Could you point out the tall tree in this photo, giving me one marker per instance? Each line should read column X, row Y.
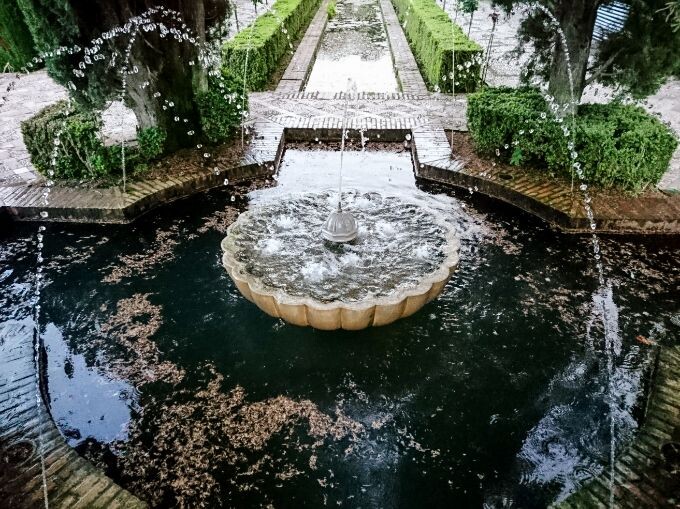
column 163, row 72
column 16, row 43
column 638, row 58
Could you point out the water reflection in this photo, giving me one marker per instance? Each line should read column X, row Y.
column 354, row 46
column 74, row 383
column 497, row 393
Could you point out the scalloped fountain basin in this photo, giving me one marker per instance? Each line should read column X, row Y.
column 402, row 259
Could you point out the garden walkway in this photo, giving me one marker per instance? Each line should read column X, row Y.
column 29, row 95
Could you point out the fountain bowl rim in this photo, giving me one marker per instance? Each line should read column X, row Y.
column 270, row 299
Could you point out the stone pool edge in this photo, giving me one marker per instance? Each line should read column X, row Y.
column 548, row 200
column 641, row 478
column 70, row 481
column 111, row 205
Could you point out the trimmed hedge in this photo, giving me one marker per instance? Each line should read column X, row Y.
column 16, row 42
column 81, row 154
column 221, row 107
column 432, row 37
column 267, row 40
column 617, row 145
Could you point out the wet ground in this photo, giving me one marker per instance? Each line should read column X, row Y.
column 501, row 392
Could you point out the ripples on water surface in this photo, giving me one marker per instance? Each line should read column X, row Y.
column 354, row 46
column 497, row 393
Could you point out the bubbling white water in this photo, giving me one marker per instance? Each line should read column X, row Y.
column 400, row 243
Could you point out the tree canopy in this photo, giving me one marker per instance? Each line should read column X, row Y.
column 637, row 59
column 153, row 55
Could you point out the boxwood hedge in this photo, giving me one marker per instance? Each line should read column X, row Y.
column 433, row 37
column 80, row 153
column 267, row 40
column 16, row 42
column 618, row 145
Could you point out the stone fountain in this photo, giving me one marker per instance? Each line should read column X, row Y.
column 401, row 259
column 351, row 270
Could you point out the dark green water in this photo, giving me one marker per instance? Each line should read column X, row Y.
column 495, row 395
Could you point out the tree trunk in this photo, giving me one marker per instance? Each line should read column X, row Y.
column 163, row 62
column 577, row 19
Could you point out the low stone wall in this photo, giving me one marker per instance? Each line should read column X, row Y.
column 551, row 200
column 643, row 474
column 113, row 206
column 38, row 468
column 548, row 199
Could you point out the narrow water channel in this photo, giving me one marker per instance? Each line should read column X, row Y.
column 354, row 46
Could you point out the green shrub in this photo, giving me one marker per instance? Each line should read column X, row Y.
column 80, row 152
column 221, row 107
column 16, row 42
column 267, row 40
column 330, row 9
column 618, row 145
column 433, row 37
column 151, row 143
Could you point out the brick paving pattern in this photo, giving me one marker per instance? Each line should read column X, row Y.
column 70, row 481
column 641, row 476
column 30, row 94
column 405, row 64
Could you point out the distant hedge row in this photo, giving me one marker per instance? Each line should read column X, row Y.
column 267, row 40
column 618, row 145
column 16, row 42
column 433, row 37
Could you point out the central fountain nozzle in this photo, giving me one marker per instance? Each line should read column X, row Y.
column 340, row 227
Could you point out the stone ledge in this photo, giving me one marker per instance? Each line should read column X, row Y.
column 641, row 476
column 295, row 75
column 654, row 213
column 112, row 206
column 27, row 428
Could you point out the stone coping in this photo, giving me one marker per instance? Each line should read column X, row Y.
column 550, row 200
column 654, row 212
column 29, row 435
column 642, row 478
column 111, row 205
column 353, row 315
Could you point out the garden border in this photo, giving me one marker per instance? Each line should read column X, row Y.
column 547, row 199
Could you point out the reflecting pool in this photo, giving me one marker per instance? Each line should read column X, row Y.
column 354, row 46
column 496, row 393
